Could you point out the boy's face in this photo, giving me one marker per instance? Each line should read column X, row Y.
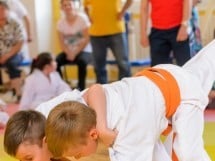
column 32, row 152
column 84, row 150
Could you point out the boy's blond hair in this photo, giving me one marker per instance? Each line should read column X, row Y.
column 68, row 125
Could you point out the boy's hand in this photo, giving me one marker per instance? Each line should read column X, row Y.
column 108, row 137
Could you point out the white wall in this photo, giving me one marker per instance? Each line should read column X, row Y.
column 44, row 25
column 40, row 12
column 33, row 46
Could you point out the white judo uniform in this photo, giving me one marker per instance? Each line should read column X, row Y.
column 136, row 108
column 38, row 88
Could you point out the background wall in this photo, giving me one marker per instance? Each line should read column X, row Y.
column 40, row 12
column 30, row 6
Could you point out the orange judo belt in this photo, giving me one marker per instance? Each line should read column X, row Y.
column 170, row 90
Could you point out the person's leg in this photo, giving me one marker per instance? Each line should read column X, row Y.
column 188, row 124
column 118, row 44
column 181, row 50
column 99, row 45
column 12, row 66
column 61, row 60
column 160, row 48
column 202, row 65
column 160, row 152
column 82, row 60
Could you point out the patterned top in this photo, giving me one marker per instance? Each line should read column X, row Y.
column 72, row 33
column 195, row 35
column 10, row 34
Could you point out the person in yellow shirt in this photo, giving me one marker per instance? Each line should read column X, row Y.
column 107, row 30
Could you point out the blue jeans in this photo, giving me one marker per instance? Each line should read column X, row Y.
column 12, row 66
column 119, row 47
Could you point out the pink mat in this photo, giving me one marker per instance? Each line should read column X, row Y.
column 10, row 109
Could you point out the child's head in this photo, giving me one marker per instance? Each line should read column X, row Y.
column 70, row 130
column 24, row 136
column 43, row 61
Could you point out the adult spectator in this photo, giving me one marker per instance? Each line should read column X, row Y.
column 20, row 13
column 12, row 38
column 74, row 40
column 107, row 30
column 169, row 31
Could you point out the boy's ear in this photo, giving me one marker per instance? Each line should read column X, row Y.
column 44, row 140
column 94, row 134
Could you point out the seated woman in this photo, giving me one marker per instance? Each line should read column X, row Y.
column 43, row 83
column 11, row 41
column 74, row 41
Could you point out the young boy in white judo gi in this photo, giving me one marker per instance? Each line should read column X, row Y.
column 139, row 108
column 24, row 136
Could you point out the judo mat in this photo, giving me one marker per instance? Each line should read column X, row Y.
column 102, row 154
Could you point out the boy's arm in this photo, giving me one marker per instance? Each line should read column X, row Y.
column 96, row 99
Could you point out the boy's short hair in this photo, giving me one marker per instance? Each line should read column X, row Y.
column 24, row 126
column 67, row 125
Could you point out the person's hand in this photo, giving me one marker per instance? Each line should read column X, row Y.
column 182, row 33
column 108, row 136
column 144, row 40
column 120, row 16
column 3, row 58
column 70, row 56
